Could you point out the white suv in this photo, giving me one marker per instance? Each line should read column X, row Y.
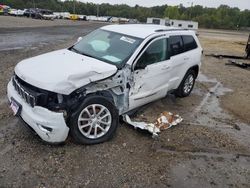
column 111, row 71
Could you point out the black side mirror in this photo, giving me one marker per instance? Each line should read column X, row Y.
column 140, row 66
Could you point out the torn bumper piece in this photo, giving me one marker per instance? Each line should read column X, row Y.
column 142, row 125
column 165, row 121
column 50, row 126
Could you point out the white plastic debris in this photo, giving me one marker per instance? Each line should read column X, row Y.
column 165, row 121
column 142, row 125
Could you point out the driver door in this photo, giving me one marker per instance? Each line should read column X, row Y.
column 151, row 74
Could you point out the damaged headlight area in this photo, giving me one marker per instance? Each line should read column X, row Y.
column 65, row 103
column 52, row 101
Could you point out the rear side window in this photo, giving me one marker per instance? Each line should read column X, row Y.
column 176, row 45
column 189, row 42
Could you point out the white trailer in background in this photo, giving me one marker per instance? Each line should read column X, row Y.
column 157, row 21
column 184, row 24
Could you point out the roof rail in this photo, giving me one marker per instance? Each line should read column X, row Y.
column 162, row 30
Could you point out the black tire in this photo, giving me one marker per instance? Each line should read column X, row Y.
column 182, row 91
column 75, row 131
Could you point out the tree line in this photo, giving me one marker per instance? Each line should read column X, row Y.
column 223, row 17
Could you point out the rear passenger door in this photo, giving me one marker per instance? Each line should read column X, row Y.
column 191, row 51
column 178, row 60
column 183, row 50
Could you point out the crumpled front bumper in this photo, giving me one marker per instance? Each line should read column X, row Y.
column 50, row 126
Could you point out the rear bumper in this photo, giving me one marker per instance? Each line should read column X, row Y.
column 50, row 126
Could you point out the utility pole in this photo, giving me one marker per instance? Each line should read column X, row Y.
column 74, row 6
column 190, row 12
column 97, row 11
column 34, row 5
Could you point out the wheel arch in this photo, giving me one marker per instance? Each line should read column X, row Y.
column 105, row 93
column 195, row 68
column 94, row 98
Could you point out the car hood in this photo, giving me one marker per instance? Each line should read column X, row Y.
column 62, row 71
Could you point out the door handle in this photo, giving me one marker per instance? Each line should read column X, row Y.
column 186, row 58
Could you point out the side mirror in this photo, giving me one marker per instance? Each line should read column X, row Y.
column 79, row 39
column 140, row 66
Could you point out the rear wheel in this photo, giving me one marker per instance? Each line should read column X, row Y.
column 187, row 84
column 95, row 121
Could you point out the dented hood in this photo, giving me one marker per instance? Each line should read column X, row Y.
column 62, row 71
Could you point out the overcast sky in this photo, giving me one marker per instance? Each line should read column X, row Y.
column 242, row 4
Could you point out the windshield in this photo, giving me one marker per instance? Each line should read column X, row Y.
column 110, row 47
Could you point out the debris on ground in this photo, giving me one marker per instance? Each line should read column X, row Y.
column 165, row 121
column 247, row 50
column 142, row 125
column 238, row 64
column 237, row 127
column 220, row 56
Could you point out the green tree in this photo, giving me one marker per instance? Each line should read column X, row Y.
column 172, row 12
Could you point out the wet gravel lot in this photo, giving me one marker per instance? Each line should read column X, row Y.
column 210, row 148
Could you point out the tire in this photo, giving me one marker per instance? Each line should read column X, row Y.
column 95, row 121
column 187, row 84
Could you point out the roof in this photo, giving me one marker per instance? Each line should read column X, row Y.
column 137, row 30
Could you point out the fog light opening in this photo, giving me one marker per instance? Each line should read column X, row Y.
column 44, row 128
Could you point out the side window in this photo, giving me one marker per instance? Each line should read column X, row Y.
column 189, row 42
column 176, row 45
column 156, row 21
column 155, row 52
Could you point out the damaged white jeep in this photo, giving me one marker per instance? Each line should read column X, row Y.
column 110, row 72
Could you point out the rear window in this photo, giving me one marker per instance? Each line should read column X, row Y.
column 189, row 42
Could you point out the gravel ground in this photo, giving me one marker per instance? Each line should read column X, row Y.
column 209, row 149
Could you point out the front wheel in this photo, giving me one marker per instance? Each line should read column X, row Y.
column 95, row 121
column 186, row 85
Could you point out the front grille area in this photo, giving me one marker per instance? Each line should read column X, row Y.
column 23, row 92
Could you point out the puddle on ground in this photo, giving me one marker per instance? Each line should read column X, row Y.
column 211, row 172
column 210, row 114
column 13, row 48
column 204, row 78
column 205, row 169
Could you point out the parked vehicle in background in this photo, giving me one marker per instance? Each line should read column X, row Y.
column 4, row 10
column 1, row 9
column 118, row 20
column 40, row 14
column 29, row 12
column 66, row 15
column 91, row 18
column 62, row 15
column 58, row 15
column 74, row 17
column 47, row 14
column 109, row 72
column 82, row 17
column 16, row 12
column 133, row 21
